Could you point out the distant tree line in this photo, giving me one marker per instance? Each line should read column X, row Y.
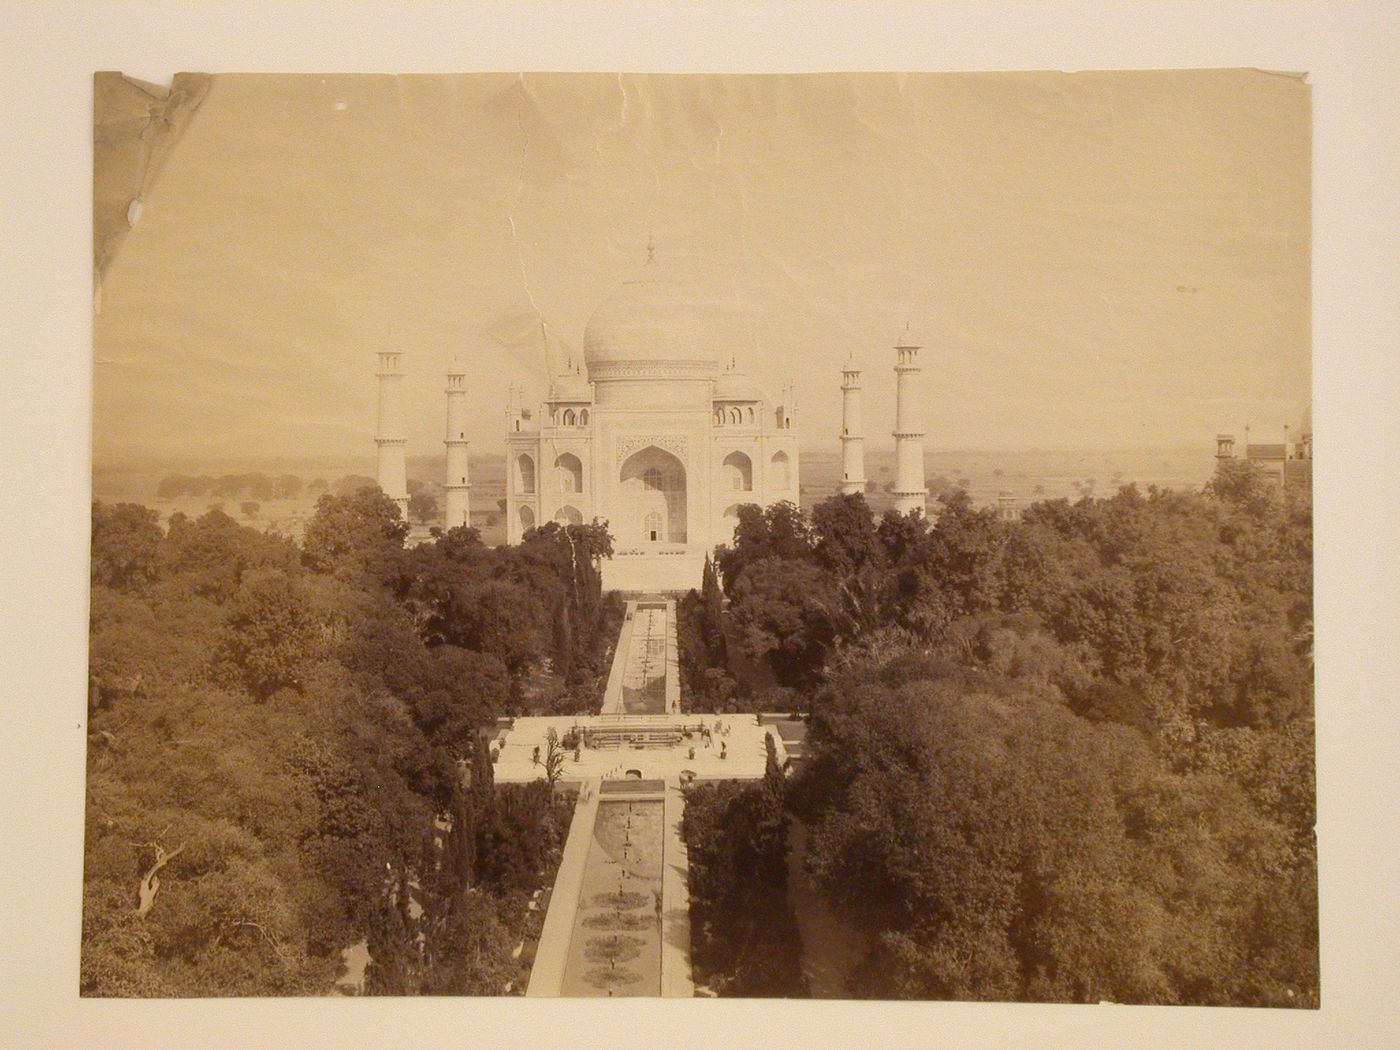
column 287, row 748
column 254, row 488
column 254, row 485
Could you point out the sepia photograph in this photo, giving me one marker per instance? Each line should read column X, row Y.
column 834, row 536
column 604, row 523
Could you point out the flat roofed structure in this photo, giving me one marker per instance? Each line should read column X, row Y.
column 658, row 747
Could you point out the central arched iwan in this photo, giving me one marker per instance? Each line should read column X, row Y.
column 653, row 483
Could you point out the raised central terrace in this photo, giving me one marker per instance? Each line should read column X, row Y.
column 656, row 747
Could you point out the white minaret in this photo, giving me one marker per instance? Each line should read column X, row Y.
column 852, row 431
column 393, row 474
column 910, row 493
column 457, row 486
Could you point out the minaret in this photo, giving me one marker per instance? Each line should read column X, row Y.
column 457, row 486
column 910, row 493
column 852, row 431
column 393, row 474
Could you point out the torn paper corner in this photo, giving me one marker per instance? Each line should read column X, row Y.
column 136, row 126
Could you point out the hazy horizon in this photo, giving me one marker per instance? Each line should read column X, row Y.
column 1093, row 261
column 367, row 454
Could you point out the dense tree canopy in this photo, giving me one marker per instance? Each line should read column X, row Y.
column 1065, row 759
column 1000, row 847
column 125, row 545
column 286, row 750
column 1068, row 758
column 744, row 939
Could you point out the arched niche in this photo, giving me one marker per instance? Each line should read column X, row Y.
column 568, row 472
column 653, row 483
column 524, row 474
column 738, row 472
column 779, row 471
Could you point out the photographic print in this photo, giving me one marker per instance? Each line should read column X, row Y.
column 764, row 536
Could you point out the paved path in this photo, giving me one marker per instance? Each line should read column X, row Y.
column 731, row 747
column 676, row 982
column 547, row 971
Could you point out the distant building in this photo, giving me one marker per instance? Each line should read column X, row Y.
column 1008, row 507
column 1284, row 464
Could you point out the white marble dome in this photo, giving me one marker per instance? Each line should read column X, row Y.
column 648, row 320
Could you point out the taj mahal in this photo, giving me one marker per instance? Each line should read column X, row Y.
column 659, row 433
column 652, row 434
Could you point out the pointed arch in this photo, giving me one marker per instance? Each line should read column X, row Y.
column 738, row 472
column 779, row 473
column 568, row 472
column 525, row 474
column 527, row 519
column 567, row 515
column 653, row 482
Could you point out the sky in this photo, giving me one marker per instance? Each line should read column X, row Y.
column 1091, row 260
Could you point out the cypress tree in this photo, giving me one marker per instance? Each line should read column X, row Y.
column 459, row 866
column 563, row 640
column 483, row 793
column 712, row 616
column 771, row 831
